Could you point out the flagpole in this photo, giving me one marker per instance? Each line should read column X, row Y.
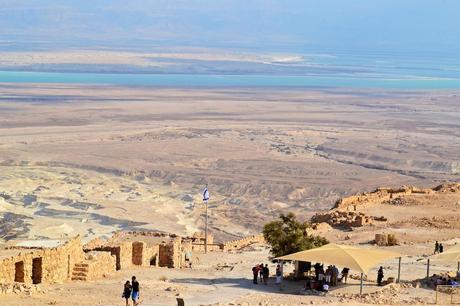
column 206, row 230
column 206, row 199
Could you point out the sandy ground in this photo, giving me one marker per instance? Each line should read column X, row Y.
column 92, row 159
column 225, row 279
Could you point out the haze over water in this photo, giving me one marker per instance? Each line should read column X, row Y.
column 409, row 44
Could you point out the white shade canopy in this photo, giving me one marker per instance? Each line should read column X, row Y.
column 359, row 259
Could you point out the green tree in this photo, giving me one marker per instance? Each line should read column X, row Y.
column 287, row 235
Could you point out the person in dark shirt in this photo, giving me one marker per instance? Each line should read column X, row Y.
column 127, row 292
column 135, row 291
column 380, row 276
column 345, row 275
column 266, row 274
column 255, row 273
column 441, row 248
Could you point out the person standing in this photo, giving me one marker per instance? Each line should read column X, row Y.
column 345, row 274
column 135, row 291
column 261, row 272
column 441, row 248
column 317, row 267
column 127, row 292
column 266, row 274
column 255, row 274
column 279, row 274
column 436, row 247
column 380, row 276
column 335, row 275
column 328, row 274
column 322, row 275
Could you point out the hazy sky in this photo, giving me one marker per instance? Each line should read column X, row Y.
column 294, row 25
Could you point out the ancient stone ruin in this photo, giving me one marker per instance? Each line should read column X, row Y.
column 345, row 219
column 345, row 213
column 386, row 194
column 55, row 261
column 385, row 239
column 45, row 261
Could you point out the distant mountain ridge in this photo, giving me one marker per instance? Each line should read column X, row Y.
column 293, row 25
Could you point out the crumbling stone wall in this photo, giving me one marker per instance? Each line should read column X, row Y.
column 51, row 265
column 385, row 239
column 99, row 265
column 199, row 238
column 241, row 243
column 151, row 255
column 145, row 254
column 170, row 254
column 138, row 252
column 385, row 194
column 346, row 219
column 126, row 254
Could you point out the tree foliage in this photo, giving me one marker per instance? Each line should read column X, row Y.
column 287, row 235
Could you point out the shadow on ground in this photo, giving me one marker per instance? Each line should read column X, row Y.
column 287, row 286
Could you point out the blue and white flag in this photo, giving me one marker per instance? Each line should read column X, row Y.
column 206, row 194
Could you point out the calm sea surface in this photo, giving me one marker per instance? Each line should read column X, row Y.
column 207, row 80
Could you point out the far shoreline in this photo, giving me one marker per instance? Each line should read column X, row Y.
column 228, row 81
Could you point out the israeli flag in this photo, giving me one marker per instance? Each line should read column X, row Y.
column 206, row 194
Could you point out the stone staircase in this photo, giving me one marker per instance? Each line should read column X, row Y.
column 80, row 271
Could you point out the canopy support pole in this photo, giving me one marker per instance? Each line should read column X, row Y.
column 399, row 270
column 428, row 268
column 458, row 267
column 361, row 285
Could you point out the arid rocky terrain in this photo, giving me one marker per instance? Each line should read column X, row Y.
column 224, row 278
column 92, row 159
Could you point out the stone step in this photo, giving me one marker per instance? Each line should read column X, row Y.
column 81, row 278
column 79, row 274
column 82, row 269
column 82, row 265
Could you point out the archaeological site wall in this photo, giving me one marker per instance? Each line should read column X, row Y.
column 50, row 265
column 242, row 243
column 378, row 196
column 384, row 194
column 99, row 264
column 99, row 258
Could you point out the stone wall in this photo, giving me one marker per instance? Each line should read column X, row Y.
column 170, row 254
column 199, row 238
column 126, row 254
column 345, row 219
column 51, row 265
column 385, row 239
column 99, row 264
column 448, row 187
column 151, row 256
column 144, row 254
column 68, row 261
column 241, row 243
column 122, row 252
column 385, row 194
column 199, row 248
column 138, row 253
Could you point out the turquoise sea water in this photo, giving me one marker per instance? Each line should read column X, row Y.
column 208, row 80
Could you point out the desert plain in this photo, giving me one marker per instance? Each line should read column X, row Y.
column 92, row 159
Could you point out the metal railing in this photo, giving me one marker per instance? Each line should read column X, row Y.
column 447, row 294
